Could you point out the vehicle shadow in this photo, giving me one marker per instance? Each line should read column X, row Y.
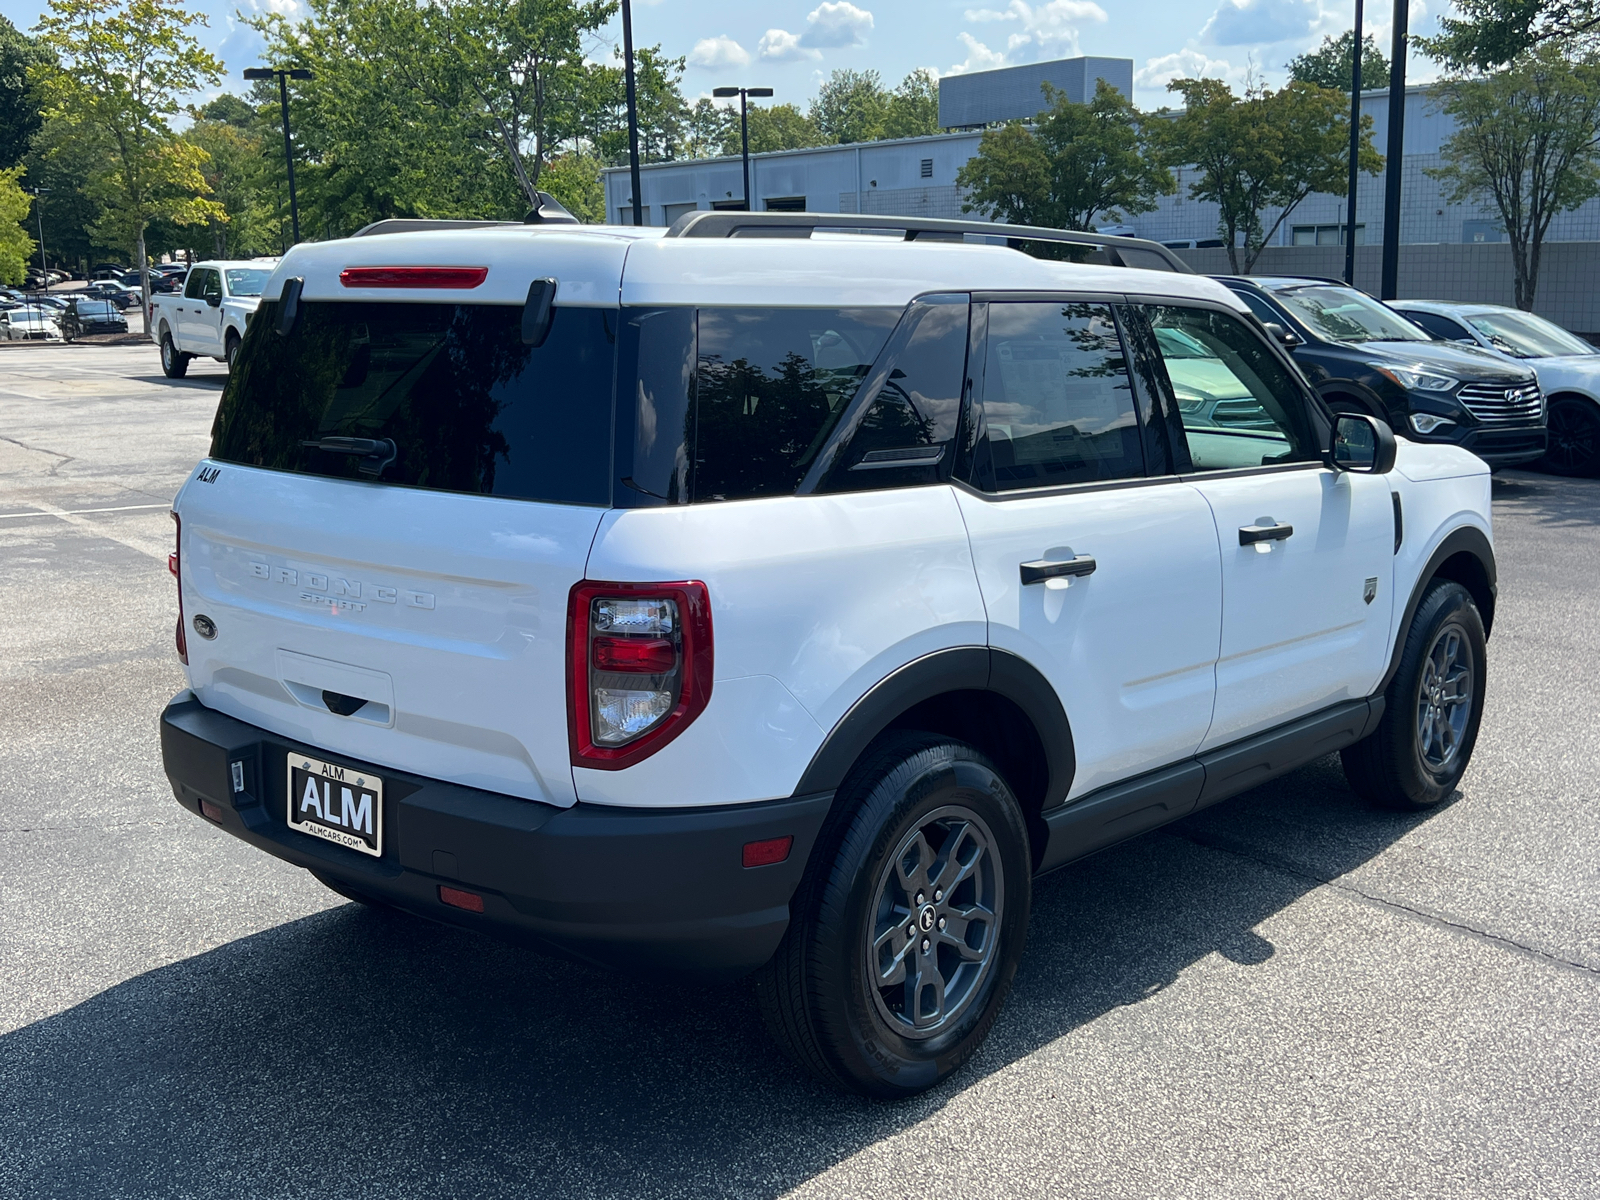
column 1548, row 499
column 205, row 382
column 358, row 1053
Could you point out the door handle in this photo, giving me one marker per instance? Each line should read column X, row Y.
column 1249, row 535
column 1041, row 569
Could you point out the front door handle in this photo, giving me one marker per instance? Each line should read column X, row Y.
column 1249, row 535
column 1041, row 569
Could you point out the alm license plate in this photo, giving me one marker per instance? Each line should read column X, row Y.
column 338, row 804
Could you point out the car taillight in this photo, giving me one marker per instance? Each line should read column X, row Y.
column 639, row 665
column 175, row 565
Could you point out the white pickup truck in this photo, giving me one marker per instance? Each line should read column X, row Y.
column 209, row 316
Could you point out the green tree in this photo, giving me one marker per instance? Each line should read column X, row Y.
column 230, row 110
column 772, row 127
column 574, row 180
column 16, row 247
column 21, row 113
column 1079, row 162
column 1329, row 65
column 236, row 174
column 1525, row 143
column 1480, row 35
column 67, row 158
column 122, row 66
column 913, row 107
column 1262, row 150
column 850, row 106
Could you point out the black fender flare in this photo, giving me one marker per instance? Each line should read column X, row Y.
column 1332, row 387
column 1468, row 539
column 958, row 669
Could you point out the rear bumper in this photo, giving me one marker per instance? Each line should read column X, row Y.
column 631, row 889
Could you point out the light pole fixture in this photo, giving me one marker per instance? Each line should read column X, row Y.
column 633, row 112
column 284, row 74
column 1394, row 151
column 1355, row 150
column 38, row 194
column 744, row 126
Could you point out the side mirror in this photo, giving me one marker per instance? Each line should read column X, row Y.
column 1282, row 335
column 213, row 300
column 1362, row 444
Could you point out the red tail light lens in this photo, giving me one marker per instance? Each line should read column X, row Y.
column 639, row 665
column 175, row 565
column 412, row 277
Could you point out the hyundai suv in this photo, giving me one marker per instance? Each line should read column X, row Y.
column 755, row 596
column 1364, row 357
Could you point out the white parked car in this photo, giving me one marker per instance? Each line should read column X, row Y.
column 1567, row 366
column 210, row 315
column 30, row 323
column 686, row 600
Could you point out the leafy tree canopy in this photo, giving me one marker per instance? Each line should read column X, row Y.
column 20, row 107
column 1329, row 65
column 850, row 106
column 1525, row 144
column 15, row 245
column 1480, row 35
column 1080, row 162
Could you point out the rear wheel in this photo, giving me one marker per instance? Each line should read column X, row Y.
column 908, row 926
column 1432, row 707
column 1574, row 426
column 173, row 364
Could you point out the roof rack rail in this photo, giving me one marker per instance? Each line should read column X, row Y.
column 549, row 212
column 1118, row 251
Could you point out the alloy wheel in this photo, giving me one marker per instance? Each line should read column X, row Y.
column 935, row 919
column 1574, row 437
column 1444, row 698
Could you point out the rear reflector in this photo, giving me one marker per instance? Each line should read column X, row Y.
column 456, row 898
column 210, row 811
column 413, row 277
column 766, row 853
column 651, row 656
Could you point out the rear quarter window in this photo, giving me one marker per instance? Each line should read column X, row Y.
column 468, row 406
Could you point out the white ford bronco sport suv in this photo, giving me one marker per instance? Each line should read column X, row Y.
column 760, row 596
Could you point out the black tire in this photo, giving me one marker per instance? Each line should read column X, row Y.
column 173, row 364
column 230, row 350
column 1422, row 745
column 1574, row 449
column 350, row 893
column 819, row 995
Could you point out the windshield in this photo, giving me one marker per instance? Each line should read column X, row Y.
column 1346, row 315
column 93, row 308
column 246, row 281
column 1528, row 336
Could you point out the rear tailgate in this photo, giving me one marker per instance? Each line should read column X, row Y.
column 445, row 613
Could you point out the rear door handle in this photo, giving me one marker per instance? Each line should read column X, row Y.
column 1249, row 535
column 1041, row 569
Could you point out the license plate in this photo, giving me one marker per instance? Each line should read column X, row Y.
column 338, row 804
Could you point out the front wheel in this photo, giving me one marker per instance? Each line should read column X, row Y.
column 173, row 364
column 231, row 350
column 908, row 926
column 1574, row 428
column 1432, row 707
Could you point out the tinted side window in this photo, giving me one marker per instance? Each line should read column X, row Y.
column 1057, row 404
column 192, row 286
column 1260, row 307
column 771, row 384
column 655, row 406
column 468, row 406
column 1239, row 405
column 904, row 433
column 211, row 285
column 1440, row 327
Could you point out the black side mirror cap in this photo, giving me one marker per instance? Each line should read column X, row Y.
column 213, row 301
column 1283, row 335
column 289, row 305
column 538, row 312
column 1361, row 444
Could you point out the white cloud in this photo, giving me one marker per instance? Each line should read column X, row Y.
column 835, row 24
column 779, row 45
column 719, row 51
column 1185, row 64
column 979, row 57
column 1041, row 31
column 1259, row 22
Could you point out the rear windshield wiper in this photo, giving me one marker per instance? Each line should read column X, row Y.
column 377, row 453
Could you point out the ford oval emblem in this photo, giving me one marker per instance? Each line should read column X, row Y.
column 205, row 626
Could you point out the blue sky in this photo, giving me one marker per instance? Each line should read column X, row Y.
column 790, row 45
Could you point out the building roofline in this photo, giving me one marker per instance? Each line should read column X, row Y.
column 770, row 154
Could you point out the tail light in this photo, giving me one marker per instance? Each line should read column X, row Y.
column 175, row 566
column 639, row 668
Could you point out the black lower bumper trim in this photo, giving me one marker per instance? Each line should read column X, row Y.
column 643, row 890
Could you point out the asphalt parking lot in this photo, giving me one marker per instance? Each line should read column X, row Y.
column 1289, row 994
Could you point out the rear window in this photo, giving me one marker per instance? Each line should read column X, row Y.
column 467, row 405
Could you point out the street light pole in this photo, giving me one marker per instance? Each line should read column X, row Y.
column 38, row 204
column 744, row 126
column 1394, row 149
column 1355, row 150
column 284, row 74
column 633, row 113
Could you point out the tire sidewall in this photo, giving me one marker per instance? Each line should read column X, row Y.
column 878, row 1059
column 1589, row 412
column 1445, row 604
